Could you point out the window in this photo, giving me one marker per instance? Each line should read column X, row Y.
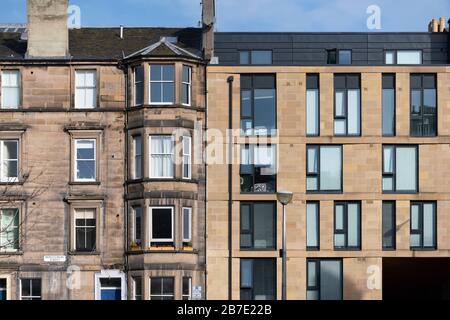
column 336, row 56
column 30, row 289
column 400, row 169
column 347, row 226
column 137, row 288
column 162, row 84
column 388, row 83
column 258, row 169
column 162, row 289
column 312, row 225
column 312, row 105
column 111, row 288
column 403, row 57
column 85, row 89
column 137, row 227
column 423, row 225
column 324, row 279
column 139, row 85
column 137, row 154
column 258, row 225
column 258, row 279
column 187, row 288
column 187, row 225
column 9, row 229
column 389, row 225
column 161, row 226
column 187, row 158
column 324, row 168
column 258, row 104
column 9, row 160
column 85, row 230
column 258, row 57
column 85, row 160
column 390, row 57
column 186, row 86
column 3, row 290
column 10, row 89
column 347, row 105
column 423, row 105
column 161, row 157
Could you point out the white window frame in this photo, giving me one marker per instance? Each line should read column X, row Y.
column 189, row 296
column 7, row 279
column 30, row 297
column 75, row 173
column 162, row 295
column 190, row 224
column 110, row 274
column 162, row 87
column 161, row 154
column 3, row 247
column 2, row 160
column 85, row 87
column 136, row 155
column 74, row 238
column 134, row 234
column 187, row 175
column 133, row 285
column 11, row 87
column 188, row 84
column 410, row 51
column 151, row 239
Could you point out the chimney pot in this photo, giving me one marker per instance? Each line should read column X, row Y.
column 435, row 25
column 442, row 24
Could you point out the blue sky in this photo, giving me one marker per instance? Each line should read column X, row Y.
column 252, row 15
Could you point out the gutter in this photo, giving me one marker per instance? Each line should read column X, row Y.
column 230, row 186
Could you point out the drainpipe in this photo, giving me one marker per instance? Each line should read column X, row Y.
column 230, row 186
column 204, row 143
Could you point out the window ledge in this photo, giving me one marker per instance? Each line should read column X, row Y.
column 161, row 250
column 88, row 183
column 17, row 183
column 80, row 253
column 11, row 253
column 144, row 180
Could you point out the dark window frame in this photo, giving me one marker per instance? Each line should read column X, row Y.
column 337, row 56
column 394, row 174
column 251, row 147
column 393, row 223
column 250, row 58
column 395, row 103
column 32, row 296
column 251, row 231
column 317, row 175
column 310, row 87
column 420, row 231
column 315, row 248
column 317, row 262
column 251, row 289
column 422, row 115
column 162, row 295
column 344, row 231
column 345, row 107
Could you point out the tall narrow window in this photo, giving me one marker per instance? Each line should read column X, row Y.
column 10, row 89
column 400, row 173
column 9, row 229
column 161, row 157
column 9, row 160
column 85, row 89
column 258, row 279
column 85, row 160
column 312, row 225
column 187, row 288
column 324, row 168
column 162, row 84
column 186, row 85
column 258, row 169
column 138, row 85
column 85, row 230
column 137, row 288
column 347, row 225
column 312, row 105
column 187, row 226
column 258, row 225
column 161, row 226
column 30, row 289
column 187, row 157
column 423, row 225
column 162, row 289
column 423, row 105
column 137, row 154
column 3, row 290
column 137, row 227
column 258, row 104
column 388, row 83
column 324, row 279
column 389, row 225
column 347, row 109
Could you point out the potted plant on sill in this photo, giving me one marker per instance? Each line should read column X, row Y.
column 135, row 246
column 188, row 246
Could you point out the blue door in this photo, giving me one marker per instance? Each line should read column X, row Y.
column 111, row 294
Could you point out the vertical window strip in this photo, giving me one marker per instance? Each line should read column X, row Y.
column 11, row 89
column 187, row 157
column 9, row 161
column 85, row 160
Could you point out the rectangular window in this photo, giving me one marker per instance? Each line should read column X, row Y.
column 85, row 230
column 324, row 279
column 162, row 84
column 85, row 89
column 347, row 105
column 258, row 225
column 324, row 168
column 258, row 57
column 423, row 105
column 9, row 160
column 390, row 57
column 137, row 288
column 258, row 279
column 312, row 105
column 187, row 157
column 9, row 229
column 347, row 225
column 388, row 83
column 187, row 225
column 258, row 104
column 312, row 225
column 30, row 289
column 85, row 160
column 137, row 226
column 389, row 225
column 400, row 168
column 137, row 154
column 423, row 226
column 138, row 85
column 186, row 86
column 161, row 157
column 161, row 226
column 3, row 290
column 409, row 57
column 335, row 56
column 110, row 288
column 11, row 89
column 162, row 289
column 187, row 288
column 258, row 169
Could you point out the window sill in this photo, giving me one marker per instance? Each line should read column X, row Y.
column 144, row 180
column 87, row 183
column 423, row 249
column 258, row 249
column 347, row 249
column 12, row 183
column 325, row 192
column 11, row 253
column 258, row 193
column 80, row 253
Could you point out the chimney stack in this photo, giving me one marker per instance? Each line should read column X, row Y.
column 438, row 25
column 48, row 34
column 208, row 23
column 442, row 24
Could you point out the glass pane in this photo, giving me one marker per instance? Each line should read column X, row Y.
column 261, row 57
column 155, row 72
column 330, row 280
column 340, row 104
column 353, row 225
column 10, row 98
column 340, row 127
column 312, row 160
column 264, row 225
column 388, row 184
column 90, row 78
column 312, row 225
column 312, row 295
column 162, row 224
column 409, row 57
column 86, row 169
column 429, row 101
column 311, row 183
column 185, row 93
column 265, row 111
column 428, row 225
column 155, row 286
column 312, row 112
column 415, row 217
column 388, row 112
column 156, row 92
column 168, row 92
column 390, row 57
column 10, row 150
column 168, row 286
column 245, row 217
column 265, row 279
column 406, row 169
column 388, row 225
column 168, row 72
column 354, row 110
column 415, row 240
column 186, row 74
column 85, row 150
column 330, row 168
column 416, row 101
column 246, row 273
column 339, row 216
column 312, row 277
column 388, row 159
column 244, row 57
column 246, row 103
column 345, row 57
column 26, row 287
column 186, row 224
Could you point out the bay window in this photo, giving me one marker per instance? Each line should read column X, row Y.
column 186, row 92
column 187, row 226
column 137, row 225
column 161, row 157
column 162, row 84
column 137, row 154
column 161, row 226
column 162, row 288
column 258, row 169
column 187, row 157
column 138, row 85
